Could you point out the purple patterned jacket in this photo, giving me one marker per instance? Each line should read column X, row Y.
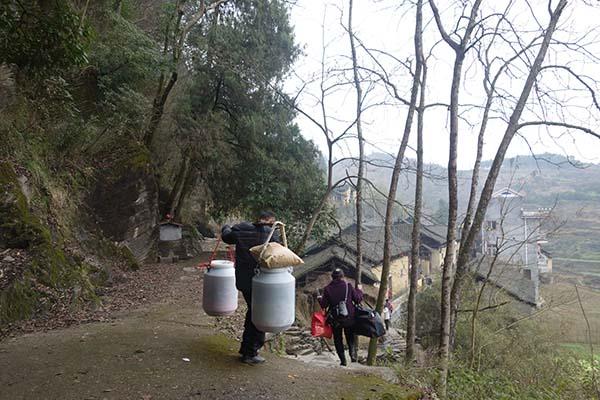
column 334, row 293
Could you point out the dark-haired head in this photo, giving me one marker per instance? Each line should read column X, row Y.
column 337, row 274
column 265, row 218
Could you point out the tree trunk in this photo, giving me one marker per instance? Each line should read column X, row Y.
column 118, row 6
column 175, row 42
column 361, row 163
column 415, row 261
column 391, row 198
column 445, row 320
column 158, row 109
column 361, row 149
column 475, row 176
column 447, row 270
column 468, row 221
column 178, row 185
column 317, row 211
column 476, row 309
column 185, row 191
column 162, row 91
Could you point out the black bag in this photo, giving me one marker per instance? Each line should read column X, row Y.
column 338, row 314
column 368, row 323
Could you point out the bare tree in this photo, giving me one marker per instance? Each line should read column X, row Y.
column 460, row 49
column 489, row 85
column 511, row 129
column 361, row 160
column 415, row 259
column 361, row 147
column 524, row 62
column 391, row 197
column 330, row 80
column 490, row 81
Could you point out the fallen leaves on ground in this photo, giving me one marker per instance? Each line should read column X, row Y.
column 129, row 290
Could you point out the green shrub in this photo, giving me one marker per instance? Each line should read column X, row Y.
column 515, row 358
column 41, row 37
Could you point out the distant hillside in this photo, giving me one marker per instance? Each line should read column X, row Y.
column 547, row 180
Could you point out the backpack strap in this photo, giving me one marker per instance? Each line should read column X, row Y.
column 346, row 295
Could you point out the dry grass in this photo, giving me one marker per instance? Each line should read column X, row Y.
column 563, row 314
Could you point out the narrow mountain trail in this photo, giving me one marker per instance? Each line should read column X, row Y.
column 169, row 349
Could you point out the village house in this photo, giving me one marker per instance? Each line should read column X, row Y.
column 515, row 234
column 340, row 252
column 343, row 195
column 520, row 229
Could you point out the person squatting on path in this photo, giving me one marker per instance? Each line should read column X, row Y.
column 336, row 292
column 246, row 235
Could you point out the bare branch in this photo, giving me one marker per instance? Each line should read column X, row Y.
column 579, row 78
column 440, row 26
column 561, row 124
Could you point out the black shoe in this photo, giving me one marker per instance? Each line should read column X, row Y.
column 353, row 354
column 344, row 364
column 252, row 360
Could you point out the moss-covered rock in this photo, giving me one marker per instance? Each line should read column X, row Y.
column 18, row 227
column 131, row 262
column 48, row 268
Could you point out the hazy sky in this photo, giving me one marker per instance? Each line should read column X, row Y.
column 385, row 26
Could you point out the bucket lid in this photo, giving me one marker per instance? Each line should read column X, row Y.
column 221, row 264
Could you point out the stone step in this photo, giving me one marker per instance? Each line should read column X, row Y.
column 294, row 333
column 299, row 346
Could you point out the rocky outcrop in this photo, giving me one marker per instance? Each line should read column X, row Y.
column 35, row 270
column 125, row 201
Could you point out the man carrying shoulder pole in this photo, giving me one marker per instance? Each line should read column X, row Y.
column 246, row 235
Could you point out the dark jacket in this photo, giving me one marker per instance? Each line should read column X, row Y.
column 388, row 305
column 246, row 235
column 334, row 293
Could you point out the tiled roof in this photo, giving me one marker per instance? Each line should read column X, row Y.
column 342, row 247
column 372, row 243
column 511, row 279
column 327, row 254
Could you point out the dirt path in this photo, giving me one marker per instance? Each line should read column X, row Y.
column 140, row 355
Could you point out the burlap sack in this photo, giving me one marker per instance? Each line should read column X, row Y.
column 275, row 256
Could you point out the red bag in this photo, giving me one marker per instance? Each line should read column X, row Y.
column 319, row 326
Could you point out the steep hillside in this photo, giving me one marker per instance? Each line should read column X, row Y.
column 115, row 115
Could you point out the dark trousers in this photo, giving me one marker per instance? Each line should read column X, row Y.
column 252, row 338
column 388, row 324
column 338, row 340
